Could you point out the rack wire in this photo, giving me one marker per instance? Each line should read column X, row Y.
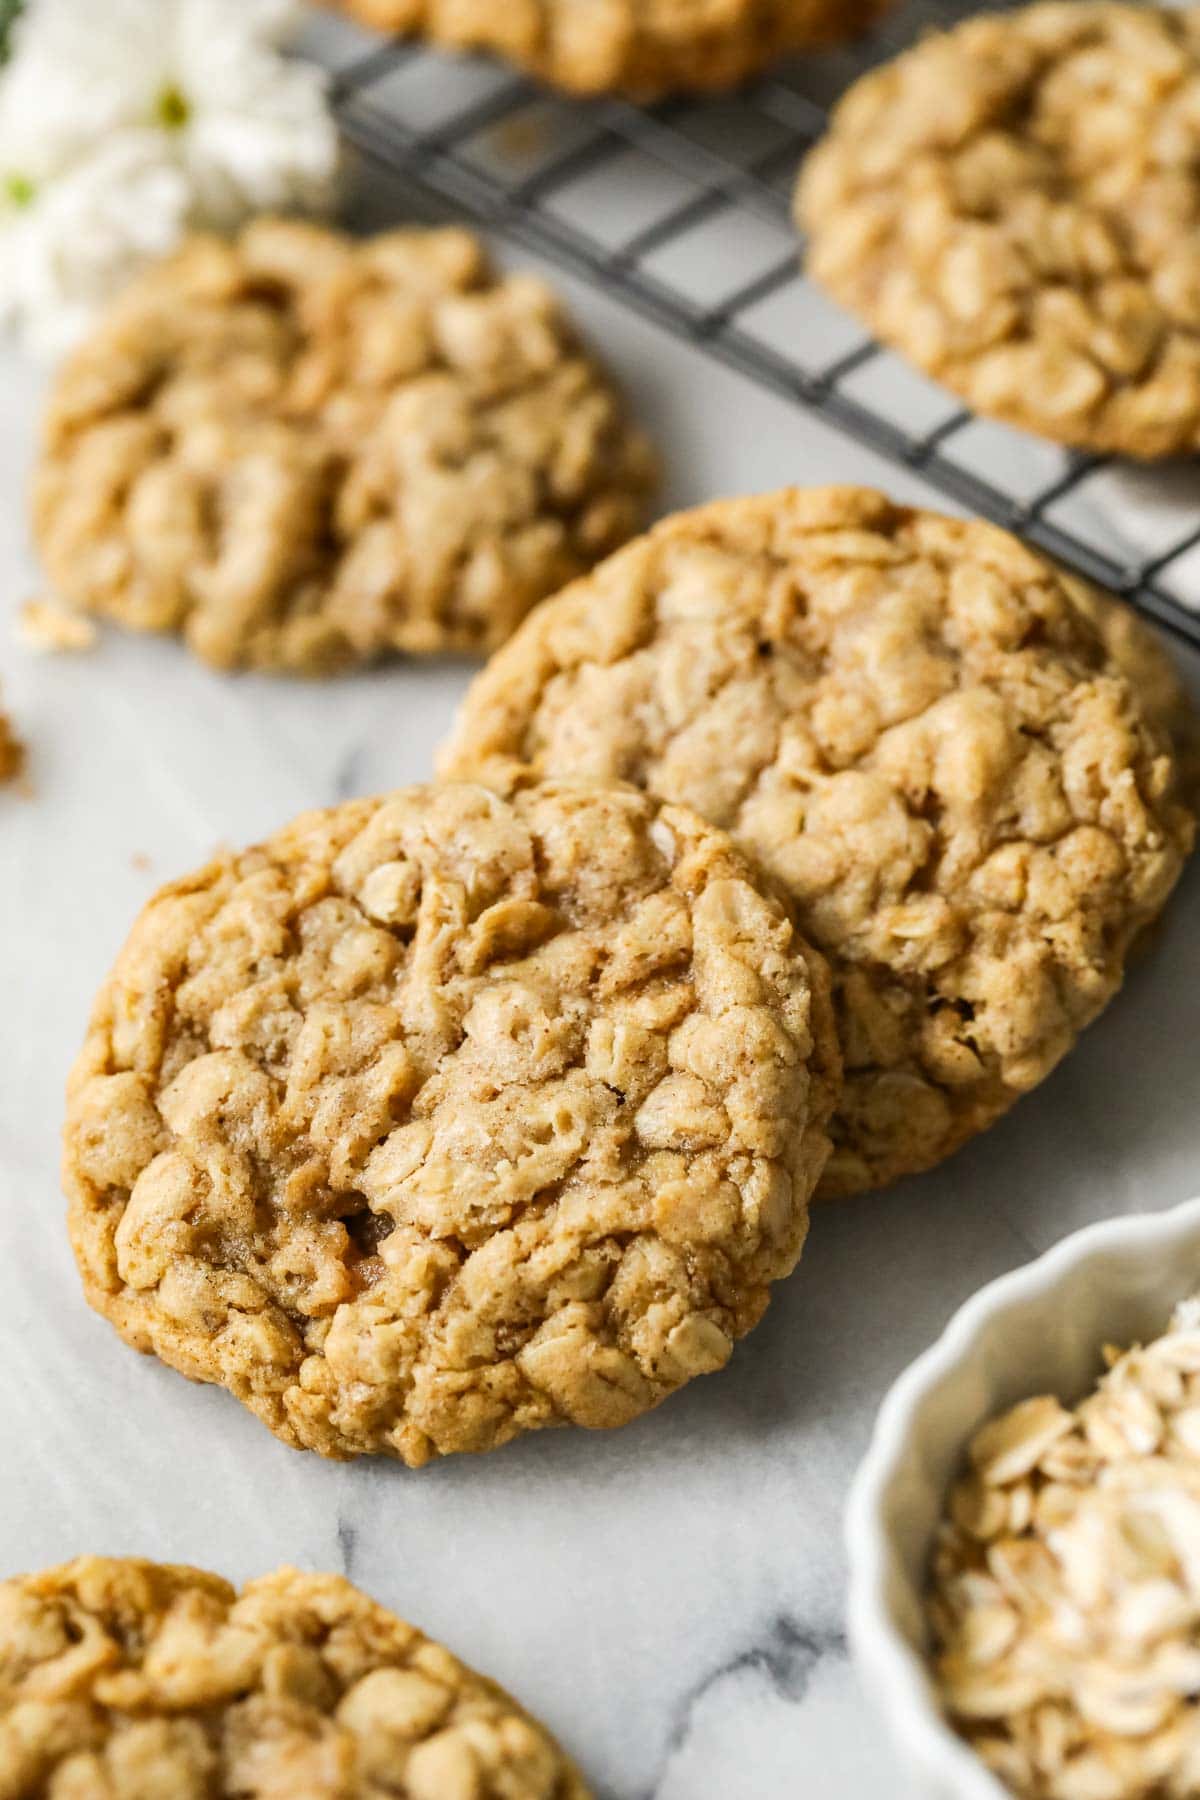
column 682, row 210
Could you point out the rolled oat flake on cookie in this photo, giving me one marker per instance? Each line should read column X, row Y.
column 137, row 1680
column 931, row 738
column 444, row 1117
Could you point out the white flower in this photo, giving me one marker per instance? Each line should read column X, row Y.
column 64, row 254
column 122, row 126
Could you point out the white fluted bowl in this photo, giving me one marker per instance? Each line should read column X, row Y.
column 1038, row 1330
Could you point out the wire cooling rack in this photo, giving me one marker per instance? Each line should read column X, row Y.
column 683, row 211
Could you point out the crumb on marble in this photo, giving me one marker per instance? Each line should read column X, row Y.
column 51, row 628
column 12, row 752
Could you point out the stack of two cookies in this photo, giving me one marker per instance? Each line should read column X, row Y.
column 779, row 855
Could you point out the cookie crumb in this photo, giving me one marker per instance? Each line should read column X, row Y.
column 12, row 752
column 52, row 629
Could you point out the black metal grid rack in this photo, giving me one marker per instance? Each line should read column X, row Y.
column 683, row 211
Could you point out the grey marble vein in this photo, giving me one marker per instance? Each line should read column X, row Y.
column 782, row 1658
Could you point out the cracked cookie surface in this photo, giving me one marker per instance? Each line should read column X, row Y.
column 915, row 729
column 1154, row 676
column 1015, row 205
column 124, row 1679
column 638, row 47
column 302, row 452
column 442, row 1117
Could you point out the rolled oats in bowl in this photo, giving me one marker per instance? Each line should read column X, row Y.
column 1064, row 1601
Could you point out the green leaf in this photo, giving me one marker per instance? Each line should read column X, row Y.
column 10, row 11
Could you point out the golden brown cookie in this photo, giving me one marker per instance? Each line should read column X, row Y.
column 912, row 726
column 302, row 452
column 638, row 47
column 130, row 1680
column 1015, row 205
column 440, row 1118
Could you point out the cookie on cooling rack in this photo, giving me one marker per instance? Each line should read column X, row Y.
column 442, row 1117
column 123, row 1677
column 913, row 726
column 302, row 452
column 638, row 47
column 1015, row 206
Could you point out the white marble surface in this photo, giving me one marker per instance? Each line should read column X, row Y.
column 668, row 1598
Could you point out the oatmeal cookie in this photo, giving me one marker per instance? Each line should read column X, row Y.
column 443, row 1117
column 128, row 1679
column 303, row 452
column 639, row 47
column 912, row 726
column 1015, row 206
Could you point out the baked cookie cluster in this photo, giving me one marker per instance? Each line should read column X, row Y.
column 1015, row 206
column 639, row 47
column 302, row 452
column 445, row 1117
column 914, row 726
column 128, row 1679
